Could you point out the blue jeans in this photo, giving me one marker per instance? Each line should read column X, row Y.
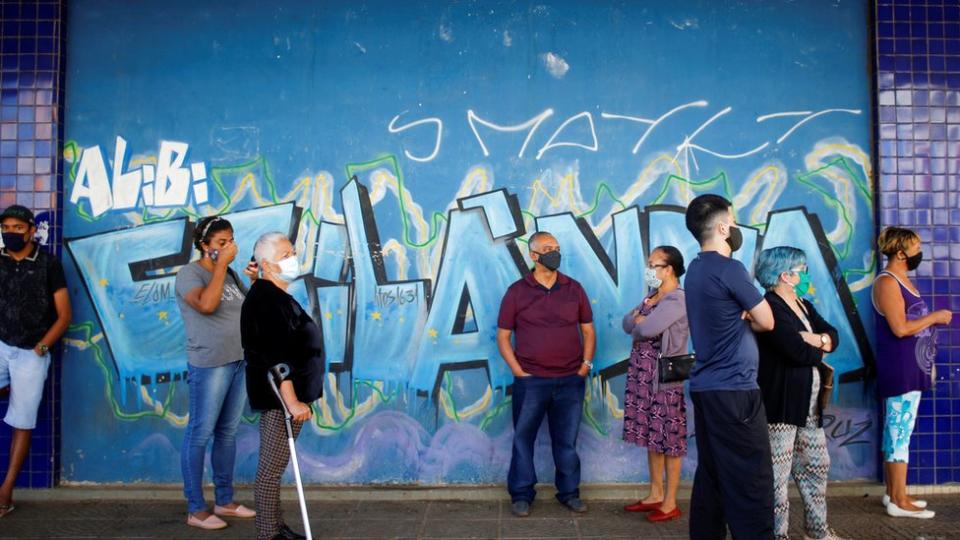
column 560, row 399
column 217, row 397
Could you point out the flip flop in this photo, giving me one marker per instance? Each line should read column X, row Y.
column 6, row 509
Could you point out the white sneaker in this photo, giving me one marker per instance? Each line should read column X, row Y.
column 831, row 535
column 918, row 503
column 895, row 511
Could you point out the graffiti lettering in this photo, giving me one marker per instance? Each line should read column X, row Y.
column 848, row 432
column 165, row 184
column 399, row 295
column 152, row 293
column 686, row 148
column 395, row 336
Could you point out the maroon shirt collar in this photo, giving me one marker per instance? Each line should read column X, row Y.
column 532, row 281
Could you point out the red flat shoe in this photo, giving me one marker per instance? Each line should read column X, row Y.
column 657, row 515
column 641, row 506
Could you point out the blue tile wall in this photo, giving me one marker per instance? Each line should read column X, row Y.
column 918, row 115
column 31, row 84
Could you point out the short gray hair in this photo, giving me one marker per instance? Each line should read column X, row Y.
column 266, row 247
column 535, row 238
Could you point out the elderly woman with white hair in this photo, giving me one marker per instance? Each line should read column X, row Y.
column 275, row 329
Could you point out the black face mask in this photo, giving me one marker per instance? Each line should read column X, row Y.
column 14, row 241
column 736, row 239
column 550, row 260
column 912, row 262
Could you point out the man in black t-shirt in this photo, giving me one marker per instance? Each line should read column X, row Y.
column 34, row 313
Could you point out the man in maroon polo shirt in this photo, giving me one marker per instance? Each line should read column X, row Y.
column 555, row 342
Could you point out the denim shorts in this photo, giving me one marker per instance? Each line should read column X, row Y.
column 24, row 372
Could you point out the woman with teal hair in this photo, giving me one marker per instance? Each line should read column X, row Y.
column 795, row 383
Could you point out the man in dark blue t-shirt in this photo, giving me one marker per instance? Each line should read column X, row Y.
column 734, row 479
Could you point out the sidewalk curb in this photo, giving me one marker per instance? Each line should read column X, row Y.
column 483, row 492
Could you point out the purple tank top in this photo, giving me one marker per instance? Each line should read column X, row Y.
column 905, row 364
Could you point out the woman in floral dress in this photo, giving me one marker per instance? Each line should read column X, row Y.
column 655, row 414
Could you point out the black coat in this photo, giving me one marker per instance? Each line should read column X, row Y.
column 784, row 375
column 274, row 329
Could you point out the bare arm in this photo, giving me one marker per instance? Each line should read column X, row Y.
column 761, row 317
column 589, row 341
column 589, row 347
column 506, row 351
column 886, row 291
column 61, row 301
column 206, row 300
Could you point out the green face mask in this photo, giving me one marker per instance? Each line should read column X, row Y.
column 803, row 287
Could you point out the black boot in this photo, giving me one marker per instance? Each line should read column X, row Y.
column 286, row 533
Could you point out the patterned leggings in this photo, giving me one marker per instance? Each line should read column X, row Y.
column 274, row 456
column 900, row 417
column 802, row 451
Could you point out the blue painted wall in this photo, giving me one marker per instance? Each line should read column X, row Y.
column 467, row 127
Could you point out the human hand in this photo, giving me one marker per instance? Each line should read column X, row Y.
column 943, row 316
column 638, row 319
column 300, row 411
column 520, row 373
column 227, row 254
column 251, row 271
column 746, row 316
column 584, row 370
column 811, row 339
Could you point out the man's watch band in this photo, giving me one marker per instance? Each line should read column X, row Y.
column 43, row 348
column 588, row 363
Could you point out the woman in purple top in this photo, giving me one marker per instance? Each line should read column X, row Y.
column 655, row 415
column 906, row 349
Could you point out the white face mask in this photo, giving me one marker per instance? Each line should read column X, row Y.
column 289, row 269
column 651, row 279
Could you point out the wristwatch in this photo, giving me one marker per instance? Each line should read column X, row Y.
column 43, row 348
column 824, row 339
column 588, row 363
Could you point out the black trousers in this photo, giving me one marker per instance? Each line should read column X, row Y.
column 733, row 484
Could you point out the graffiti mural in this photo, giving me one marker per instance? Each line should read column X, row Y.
column 410, row 167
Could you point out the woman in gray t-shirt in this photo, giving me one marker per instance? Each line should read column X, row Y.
column 210, row 296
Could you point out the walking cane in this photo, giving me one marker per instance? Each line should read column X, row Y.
column 277, row 375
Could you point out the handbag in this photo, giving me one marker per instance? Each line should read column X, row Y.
column 826, row 384
column 675, row 368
